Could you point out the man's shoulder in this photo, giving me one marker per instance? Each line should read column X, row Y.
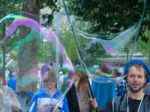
column 147, row 97
column 120, row 98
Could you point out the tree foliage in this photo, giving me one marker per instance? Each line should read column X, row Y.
column 144, row 43
column 109, row 15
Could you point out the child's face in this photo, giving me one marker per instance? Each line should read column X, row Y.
column 50, row 85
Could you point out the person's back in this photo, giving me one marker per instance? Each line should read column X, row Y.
column 71, row 95
column 72, row 99
column 83, row 97
column 83, row 92
column 103, row 89
column 12, row 83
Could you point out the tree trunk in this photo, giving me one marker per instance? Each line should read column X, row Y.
column 27, row 61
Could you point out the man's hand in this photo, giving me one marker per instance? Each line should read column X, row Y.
column 93, row 102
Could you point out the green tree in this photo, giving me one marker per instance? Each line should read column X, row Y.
column 144, row 43
column 69, row 45
column 109, row 16
column 5, row 9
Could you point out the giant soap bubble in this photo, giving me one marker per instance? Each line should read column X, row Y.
column 25, row 36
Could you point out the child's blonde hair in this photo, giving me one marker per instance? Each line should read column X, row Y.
column 51, row 76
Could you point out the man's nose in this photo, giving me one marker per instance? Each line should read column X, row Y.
column 135, row 78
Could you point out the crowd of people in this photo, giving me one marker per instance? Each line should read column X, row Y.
column 53, row 94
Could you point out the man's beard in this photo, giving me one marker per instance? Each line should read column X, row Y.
column 135, row 91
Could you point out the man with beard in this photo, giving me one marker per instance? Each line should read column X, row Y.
column 136, row 74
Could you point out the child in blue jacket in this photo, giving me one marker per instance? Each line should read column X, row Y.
column 49, row 99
